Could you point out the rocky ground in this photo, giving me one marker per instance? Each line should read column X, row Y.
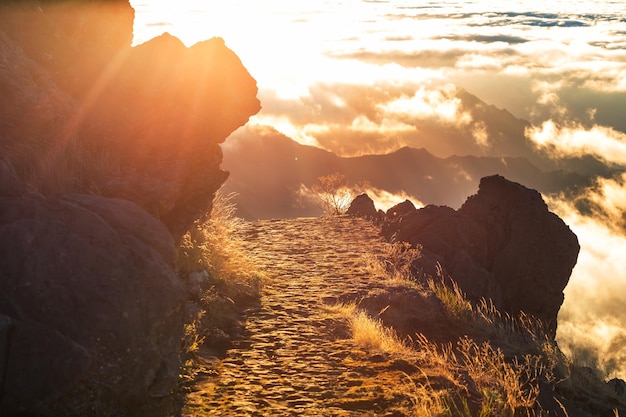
column 296, row 356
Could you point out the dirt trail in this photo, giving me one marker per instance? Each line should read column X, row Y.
column 295, row 358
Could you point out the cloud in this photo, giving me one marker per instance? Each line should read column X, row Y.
column 537, row 19
column 351, row 120
column 440, row 104
column 384, row 200
column 426, row 58
column 575, row 140
column 158, row 24
column 487, row 38
column 592, row 321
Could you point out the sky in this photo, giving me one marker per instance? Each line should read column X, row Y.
column 370, row 76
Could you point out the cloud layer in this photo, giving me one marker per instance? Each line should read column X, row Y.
column 591, row 321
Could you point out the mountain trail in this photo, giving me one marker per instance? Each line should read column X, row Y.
column 296, row 357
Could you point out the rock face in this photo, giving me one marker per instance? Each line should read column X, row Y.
column 109, row 154
column 363, row 206
column 401, row 209
column 502, row 244
column 141, row 123
column 90, row 305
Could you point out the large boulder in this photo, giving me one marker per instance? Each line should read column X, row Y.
column 163, row 114
column 83, row 111
column 503, row 244
column 91, row 309
column 363, row 206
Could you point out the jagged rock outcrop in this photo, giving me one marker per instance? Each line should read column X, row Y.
column 503, row 244
column 83, row 111
column 91, row 308
column 363, row 206
column 401, row 209
column 108, row 152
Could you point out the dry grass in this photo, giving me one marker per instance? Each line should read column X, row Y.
column 215, row 245
column 369, row 333
column 229, row 279
column 495, row 370
column 451, row 296
column 394, row 264
column 480, row 381
column 508, row 387
column 426, row 401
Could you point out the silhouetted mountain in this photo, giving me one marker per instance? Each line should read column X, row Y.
column 268, row 170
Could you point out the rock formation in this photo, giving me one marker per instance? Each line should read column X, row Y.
column 401, row 209
column 109, row 154
column 363, row 206
column 502, row 244
column 90, row 304
column 86, row 112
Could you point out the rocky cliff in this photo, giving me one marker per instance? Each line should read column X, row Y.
column 108, row 153
column 91, row 308
column 503, row 244
column 83, row 111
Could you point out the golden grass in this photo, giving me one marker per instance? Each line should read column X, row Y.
column 451, row 296
column 508, row 386
column 498, row 375
column 393, row 265
column 370, row 334
column 474, row 371
column 215, row 245
column 426, row 401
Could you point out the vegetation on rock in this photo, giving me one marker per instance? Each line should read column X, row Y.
column 221, row 280
column 497, row 365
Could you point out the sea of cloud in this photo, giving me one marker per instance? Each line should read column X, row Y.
column 591, row 325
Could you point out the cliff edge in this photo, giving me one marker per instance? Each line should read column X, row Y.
column 83, row 111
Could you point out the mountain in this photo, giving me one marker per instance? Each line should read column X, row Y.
column 268, row 171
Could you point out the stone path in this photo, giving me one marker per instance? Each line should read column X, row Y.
column 296, row 358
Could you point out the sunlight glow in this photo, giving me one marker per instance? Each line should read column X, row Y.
column 591, row 316
column 384, row 200
column 576, row 140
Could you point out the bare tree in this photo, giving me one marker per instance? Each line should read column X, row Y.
column 334, row 193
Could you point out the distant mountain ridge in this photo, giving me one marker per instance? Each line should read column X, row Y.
column 267, row 170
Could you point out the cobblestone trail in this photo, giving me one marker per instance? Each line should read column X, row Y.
column 296, row 358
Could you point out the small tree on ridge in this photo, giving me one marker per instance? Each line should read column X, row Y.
column 333, row 193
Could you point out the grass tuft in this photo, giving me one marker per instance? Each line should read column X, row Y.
column 221, row 279
column 215, row 245
column 496, row 369
column 394, row 265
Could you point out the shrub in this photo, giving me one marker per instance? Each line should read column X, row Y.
column 335, row 194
